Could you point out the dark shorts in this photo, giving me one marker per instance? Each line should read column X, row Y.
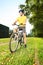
column 23, row 28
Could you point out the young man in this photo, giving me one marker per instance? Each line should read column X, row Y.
column 22, row 20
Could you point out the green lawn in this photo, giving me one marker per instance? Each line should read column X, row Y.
column 4, row 40
column 23, row 56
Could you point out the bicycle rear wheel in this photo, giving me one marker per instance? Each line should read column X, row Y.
column 13, row 44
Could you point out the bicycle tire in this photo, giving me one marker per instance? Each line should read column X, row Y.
column 10, row 43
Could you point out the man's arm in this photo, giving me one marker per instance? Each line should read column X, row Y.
column 14, row 22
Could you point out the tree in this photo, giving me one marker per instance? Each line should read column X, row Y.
column 34, row 11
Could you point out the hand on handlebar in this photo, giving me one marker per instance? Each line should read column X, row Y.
column 13, row 24
column 18, row 25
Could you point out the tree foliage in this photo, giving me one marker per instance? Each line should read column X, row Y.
column 34, row 11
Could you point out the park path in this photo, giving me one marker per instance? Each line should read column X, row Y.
column 36, row 59
column 1, row 44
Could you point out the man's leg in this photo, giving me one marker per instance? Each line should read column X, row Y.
column 14, row 30
column 24, row 35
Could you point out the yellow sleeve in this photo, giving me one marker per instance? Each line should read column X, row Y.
column 25, row 17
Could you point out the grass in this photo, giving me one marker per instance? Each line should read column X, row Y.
column 4, row 40
column 23, row 56
column 40, row 50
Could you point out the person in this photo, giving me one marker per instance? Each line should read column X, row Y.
column 21, row 20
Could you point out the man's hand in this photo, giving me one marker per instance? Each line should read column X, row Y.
column 14, row 23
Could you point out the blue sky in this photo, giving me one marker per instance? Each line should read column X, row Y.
column 9, row 12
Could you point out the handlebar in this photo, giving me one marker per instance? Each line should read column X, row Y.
column 20, row 24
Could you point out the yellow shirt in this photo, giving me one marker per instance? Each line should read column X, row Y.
column 21, row 19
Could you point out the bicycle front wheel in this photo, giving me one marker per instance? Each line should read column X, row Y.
column 13, row 44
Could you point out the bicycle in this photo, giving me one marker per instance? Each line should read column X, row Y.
column 16, row 39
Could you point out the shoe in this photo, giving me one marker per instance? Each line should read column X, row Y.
column 25, row 45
